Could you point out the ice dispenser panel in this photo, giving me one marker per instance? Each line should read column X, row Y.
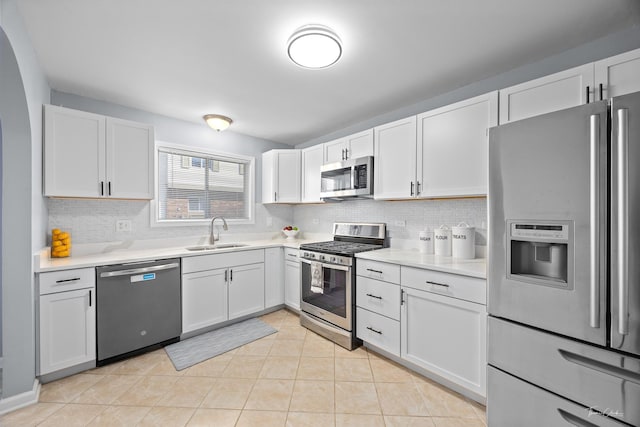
column 539, row 253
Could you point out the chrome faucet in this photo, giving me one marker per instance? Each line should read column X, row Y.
column 212, row 237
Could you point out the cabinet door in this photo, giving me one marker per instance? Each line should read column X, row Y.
column 618, row 75
column 246, row 290
column 453, row 146
column 269, row 176
column 74, row 150
column 292, row 284
column 334, row 151
column 288, row 172
column 360, row 144
column 273, row 277
column 67, row 329
column 130, row 164
column 395, row 159
column 446, row 336
column 312, row 159
column 204, row 299
column 558, row 91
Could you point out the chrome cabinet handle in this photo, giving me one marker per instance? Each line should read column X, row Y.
column 417, row 188
column 601, row 90
column 109, row 186
column 275, row 196
column 231, row 275
column 346, row 154
column 89, row 297
column 374, row 296
column 623, row 220
column 412, row 188
column 374, row 330
column 437, row 284
column 102, row 188
column 226, row 276
column 374, row 271
column 594, row 236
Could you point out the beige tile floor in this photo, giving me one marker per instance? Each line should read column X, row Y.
column 291, row 378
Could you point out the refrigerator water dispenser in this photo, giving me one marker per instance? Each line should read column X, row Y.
column 538, row 253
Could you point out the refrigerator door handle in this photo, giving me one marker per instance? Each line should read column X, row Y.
column 594, row 238
column 623, row 220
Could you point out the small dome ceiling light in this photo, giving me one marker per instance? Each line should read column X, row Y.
column 314, row 46
column 217, row 122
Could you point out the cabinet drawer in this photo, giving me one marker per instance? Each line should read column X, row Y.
column 378, row 297
column 229, row 259
column 291, row 254
column 66, row 280
column 378, row 270
column 452, row 285
column 378, row 330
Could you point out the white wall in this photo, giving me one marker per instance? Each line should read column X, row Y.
column 24, row 89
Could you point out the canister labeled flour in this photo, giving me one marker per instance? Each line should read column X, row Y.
column 463, row 241
column 442, row 241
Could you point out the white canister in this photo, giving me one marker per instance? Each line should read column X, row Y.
column 442, row 241
column 463, row 241
column 426, row 242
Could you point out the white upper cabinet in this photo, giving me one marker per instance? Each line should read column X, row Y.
column 394, row 168
column 281, row 176
column 453, row 146
column 351, row 147
column 618, row 75
column 312, row 159
column 558, row 91
column 89, row 155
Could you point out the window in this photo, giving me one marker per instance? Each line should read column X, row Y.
column 196, row 186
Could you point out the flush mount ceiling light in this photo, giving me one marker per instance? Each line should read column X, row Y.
column 217, row 122
column 314, row 46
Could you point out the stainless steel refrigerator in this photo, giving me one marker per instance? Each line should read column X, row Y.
column 564, row 275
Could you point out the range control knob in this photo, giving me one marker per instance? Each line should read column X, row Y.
column 305, row 254
column 334, row 260
column 322, row 258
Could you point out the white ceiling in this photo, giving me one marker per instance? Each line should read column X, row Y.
column 186, row 58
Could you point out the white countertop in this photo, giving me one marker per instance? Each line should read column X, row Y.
column 412, row 258
column 121, row 253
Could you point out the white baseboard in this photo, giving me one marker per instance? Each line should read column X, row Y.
column 21, row 400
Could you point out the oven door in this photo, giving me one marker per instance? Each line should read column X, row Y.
column 327, row 292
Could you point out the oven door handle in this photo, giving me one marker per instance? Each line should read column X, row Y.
column 346, row 268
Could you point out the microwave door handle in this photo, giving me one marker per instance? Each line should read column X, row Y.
column 594, row 235
column 623, row 220
column 354, row 181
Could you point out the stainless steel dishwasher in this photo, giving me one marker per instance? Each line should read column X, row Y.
column 137, row 307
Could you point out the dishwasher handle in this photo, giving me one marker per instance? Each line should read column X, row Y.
column 140, row 270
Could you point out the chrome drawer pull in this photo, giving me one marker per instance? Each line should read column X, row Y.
column 374, row 271
column 373, row 330
column 437, row 284
column 374, row 296
column 75, row 279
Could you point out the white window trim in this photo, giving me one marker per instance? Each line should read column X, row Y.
column 196, row 152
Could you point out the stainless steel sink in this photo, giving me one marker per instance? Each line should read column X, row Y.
column 214, row 247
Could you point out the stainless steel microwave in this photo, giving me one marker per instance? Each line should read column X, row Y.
column 346, row 179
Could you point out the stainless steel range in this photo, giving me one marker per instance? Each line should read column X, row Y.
column 328, row 280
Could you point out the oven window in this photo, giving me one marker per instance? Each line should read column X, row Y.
column 325, row 288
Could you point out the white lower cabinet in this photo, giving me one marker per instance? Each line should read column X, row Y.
column 246, row 290
column 446, row 336
column 291, row 278
column 220, row 287
column 204, row 299
column 67, row 319
column 378, row 330
column 273, row 277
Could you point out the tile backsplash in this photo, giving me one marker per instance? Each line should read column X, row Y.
column 404, row 219
column 94, row 221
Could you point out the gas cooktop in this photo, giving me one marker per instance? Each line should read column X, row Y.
column 337, row 247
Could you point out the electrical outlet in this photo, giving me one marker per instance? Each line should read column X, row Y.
column 315, row 221
column 400, row 223
column 123, row 225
